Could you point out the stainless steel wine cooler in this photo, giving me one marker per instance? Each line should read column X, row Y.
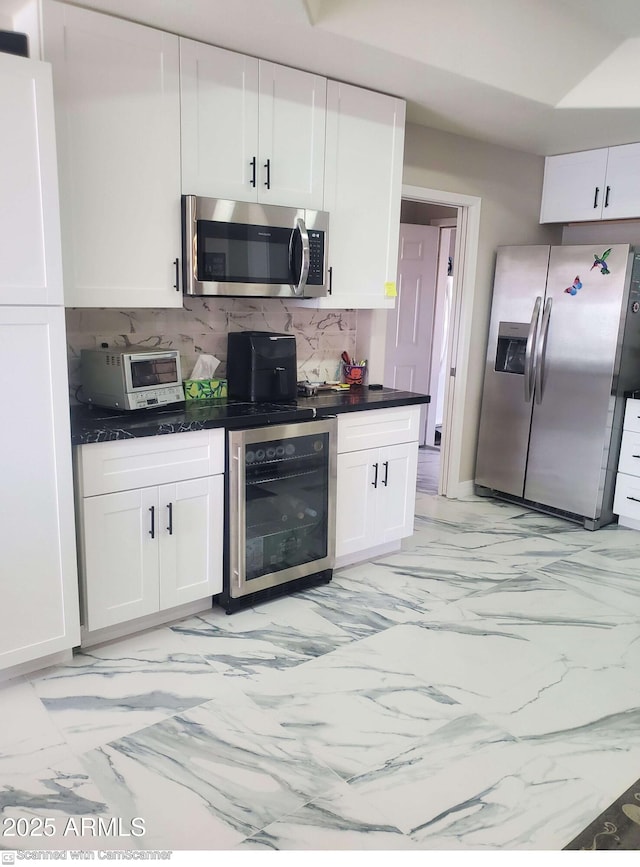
column 281, row 508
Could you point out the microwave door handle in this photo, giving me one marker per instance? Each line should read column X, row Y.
column 300, row 226
column 189, row 244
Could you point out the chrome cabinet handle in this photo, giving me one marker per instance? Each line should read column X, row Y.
column 152, row 531
column 176, row 285
column 170, row 525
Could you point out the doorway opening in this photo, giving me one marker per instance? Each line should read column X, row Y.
column 439, row 326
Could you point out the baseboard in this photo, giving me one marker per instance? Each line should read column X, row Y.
column 35, row 665
column 461, row 491
column 369, row 554
column 130, row 627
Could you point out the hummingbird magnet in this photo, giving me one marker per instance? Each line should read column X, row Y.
column 601, row 262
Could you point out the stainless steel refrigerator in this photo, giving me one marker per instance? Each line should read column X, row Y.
column 564, row 346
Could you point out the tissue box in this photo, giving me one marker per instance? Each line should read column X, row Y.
column 204, row 389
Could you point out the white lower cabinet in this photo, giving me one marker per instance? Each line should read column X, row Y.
column 376, row 486
column 38, row 575
column 151, row 548
column 376, row 497
column 626, row 503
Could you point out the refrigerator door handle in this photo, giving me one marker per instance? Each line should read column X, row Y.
column 542, row 351
column 529, row 358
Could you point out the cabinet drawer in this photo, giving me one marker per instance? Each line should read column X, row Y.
column 122, row 465
column 376, row 428
column 629, row 461
column 627, row 497
column 632, row 415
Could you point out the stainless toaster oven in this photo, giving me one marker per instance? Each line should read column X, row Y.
column 131, row 378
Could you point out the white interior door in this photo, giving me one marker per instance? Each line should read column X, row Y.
column 442, row 318
column 410, row 324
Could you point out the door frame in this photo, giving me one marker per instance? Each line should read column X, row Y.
column 459, row 334
column 438, row 332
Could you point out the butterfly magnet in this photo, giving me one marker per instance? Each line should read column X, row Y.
column 573, row 289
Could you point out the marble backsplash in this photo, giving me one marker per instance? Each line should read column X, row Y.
column 202, row 325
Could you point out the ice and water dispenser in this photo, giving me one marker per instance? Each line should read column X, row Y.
column 512, row 347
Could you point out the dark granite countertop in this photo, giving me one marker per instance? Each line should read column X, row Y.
column 90, row 424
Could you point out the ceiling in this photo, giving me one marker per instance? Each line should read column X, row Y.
column 544, row 76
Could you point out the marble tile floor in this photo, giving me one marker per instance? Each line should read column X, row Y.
column 428, row 470
column 478, row 690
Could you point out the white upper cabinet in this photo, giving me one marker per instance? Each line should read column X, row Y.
column 219, row 116
column 602, row 184
column 574, row 186
column 291, row 162
column 251, row 130
column 30, row 259
column 622, row 189
column 116, row 87
column 363, row 188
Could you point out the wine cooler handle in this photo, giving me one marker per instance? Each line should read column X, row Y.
column 239, row 542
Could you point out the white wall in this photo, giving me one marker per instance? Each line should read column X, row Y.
column 612, row 232
column 509, row 184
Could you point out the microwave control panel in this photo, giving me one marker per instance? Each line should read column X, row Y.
column 316, row 258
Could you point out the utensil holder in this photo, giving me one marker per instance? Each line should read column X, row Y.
column 354, row 374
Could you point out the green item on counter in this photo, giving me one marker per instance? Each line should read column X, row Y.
column 204, row 389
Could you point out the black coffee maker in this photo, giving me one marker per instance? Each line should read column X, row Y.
column 261, row 366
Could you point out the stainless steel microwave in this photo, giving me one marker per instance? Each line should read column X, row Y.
column 131, row 378
column 249, row 250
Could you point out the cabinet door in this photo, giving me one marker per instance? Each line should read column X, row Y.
column 219, row 121
column 574, row 186
column 190, row 536
column 396, row 501
column 120, row 567
column 622, row 191
column 363, row 188
column 118, row 126
column 291, row 130
column 356, row 501
column 39, row 611
column 30, row 257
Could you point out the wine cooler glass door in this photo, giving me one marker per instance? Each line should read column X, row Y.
column 283, row 486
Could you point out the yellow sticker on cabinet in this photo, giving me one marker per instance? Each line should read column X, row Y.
column 390, row 290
